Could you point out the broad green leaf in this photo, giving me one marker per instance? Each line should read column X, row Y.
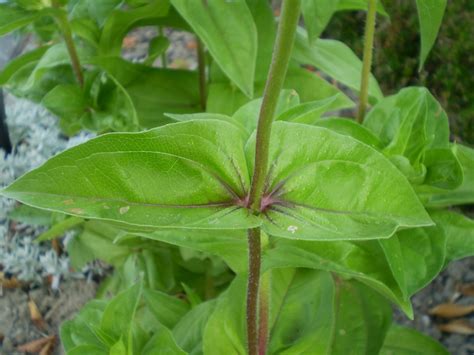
column 335, row 189
column 411, row 125
column 266, row 32
column 96, row 241
column 119, row 348
column 154, row 91
column 363, row 319
column 359, row 5
column 120, row 312
column 464, row 194
column 310, row 312
column 162, row 343
column 87, row 349
column 32, row 216
column 73, row 95
column 98, row 11
column 406, row 341
column 58, row 229
column 430, row 15
column 459, row 231
column 225, row 99
column 87, row 29
column 19, row 62
column 119, row 22
column 229, row 245
column 309, row 112
column 168, row 310
column 350, row 128
column 157, row 47
column 13, row 18
column 190, row 329
column 335, row 59
column 229, row 32
column 364, row 261
column 185, row 175
column 416, row 256
column 317, row 14
column 82, row 329
column 225, row 329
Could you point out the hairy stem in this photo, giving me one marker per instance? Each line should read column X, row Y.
column 252, row 289
column 367, row 60
column 63, row 24
column 276, row 76
column 263, row 314
column 164, row 60
column 202, row 73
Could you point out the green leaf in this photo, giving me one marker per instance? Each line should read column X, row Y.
column 430, row 15
column 82, row 329
column 464, row 194
column 13, row 18
column 190, row 329
column 335, row 59
column 154, row 91
column 310, row 312
column 337, row 189
column 157, row 47
column 119, row 348
column 162, row 343
column 350, row 128
column 73, row 95
column 317, row 15
column 229, row 245
column 168, row 310
column 120, row 22
column 363, row 319
column 229, row 32
column 32, row 216
column 416, row 256
column 359, row 5
column 363, row 261
column 412, row 125
column 20, row 62
column 88, row 349
column 406, row 341
column 58, row 229
column 459, row 231
column 309, row 112
column 185, row 175
column 225, row 99
column 120, row 312
column 266, row 29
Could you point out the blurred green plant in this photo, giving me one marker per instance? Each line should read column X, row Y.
column 447, row 71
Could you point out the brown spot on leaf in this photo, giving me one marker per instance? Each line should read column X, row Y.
column 68, row 202
column 76, row 210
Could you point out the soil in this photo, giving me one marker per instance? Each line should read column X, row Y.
column 16, row 326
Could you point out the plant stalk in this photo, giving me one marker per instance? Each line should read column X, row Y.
column 276, row 76
column 71, row 48
column 281, row 56
column 367, row 59
column 263, row 313
column 202, row 73
column 164, row 60
column 252, row 289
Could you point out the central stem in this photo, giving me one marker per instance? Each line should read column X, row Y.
column 367, row 60
column 276, row 77
column 63, row 23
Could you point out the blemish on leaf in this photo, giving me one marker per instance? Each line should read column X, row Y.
column 106, row 207
column 76, row 210
column 292, row 229
column 124, row 209
column 68, row 202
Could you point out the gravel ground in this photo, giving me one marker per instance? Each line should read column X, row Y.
column 15, row 324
